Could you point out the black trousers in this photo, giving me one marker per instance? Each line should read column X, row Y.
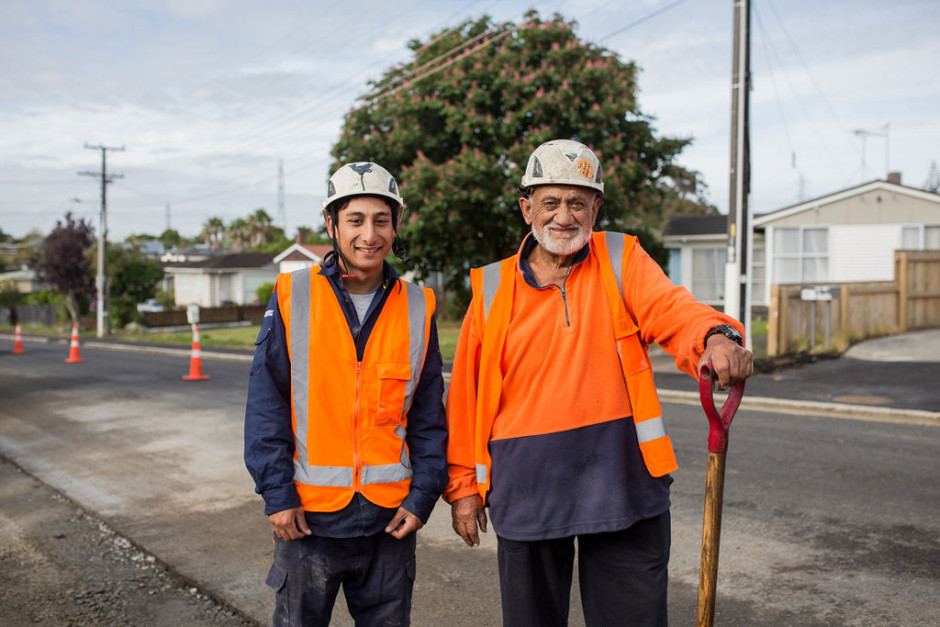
column 623, row 577
column 376, row 572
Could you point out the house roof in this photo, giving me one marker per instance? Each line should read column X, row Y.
column 228, row 262
column 683, row 226
column 299, row 252
column 849, row 192
column 18, row 275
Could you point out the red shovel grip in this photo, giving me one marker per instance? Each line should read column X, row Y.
column 718, row 422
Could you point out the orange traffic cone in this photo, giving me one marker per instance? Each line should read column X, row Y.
column 195, row 360
column 18, row 343
column 74, row 357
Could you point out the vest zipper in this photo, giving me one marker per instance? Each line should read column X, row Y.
column 564, row 294
column 564, row 299
column 357, row 470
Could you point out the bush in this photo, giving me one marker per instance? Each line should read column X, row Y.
column 123, row 310
column 264, row 292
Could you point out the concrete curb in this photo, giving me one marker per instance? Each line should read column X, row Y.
column 816, row 408
column 164, row 350
column 749, row 403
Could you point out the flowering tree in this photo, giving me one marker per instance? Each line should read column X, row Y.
column 62, row 262
column 457, row 123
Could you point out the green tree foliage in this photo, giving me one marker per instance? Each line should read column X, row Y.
column 61, row 262
column 457, row 123
column 264, row 292
column 171, row 238
column 132, row 278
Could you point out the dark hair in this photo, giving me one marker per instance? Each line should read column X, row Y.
column 398, row 246
column 338, row 205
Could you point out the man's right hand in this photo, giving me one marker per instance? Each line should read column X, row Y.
column 289, row 524
column 467, row 514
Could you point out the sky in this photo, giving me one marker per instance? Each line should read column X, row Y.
column 210, row 99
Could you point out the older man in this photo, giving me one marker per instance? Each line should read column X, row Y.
column 553, row 416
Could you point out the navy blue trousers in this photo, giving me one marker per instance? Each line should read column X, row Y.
column 623, row 576
column 376, row 572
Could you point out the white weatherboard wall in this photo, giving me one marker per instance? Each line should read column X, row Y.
column 862, row 252
column 189, row 288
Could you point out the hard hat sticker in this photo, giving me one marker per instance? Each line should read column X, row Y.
column 585, row 168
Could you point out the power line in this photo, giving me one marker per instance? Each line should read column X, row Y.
column 812, row 79
column 813, row 125
column 640, row 21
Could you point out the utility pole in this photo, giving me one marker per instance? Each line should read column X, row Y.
column 103, row 315
column 737, row 269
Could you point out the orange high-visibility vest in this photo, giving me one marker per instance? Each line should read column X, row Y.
column 349, row 417
column 493, row 289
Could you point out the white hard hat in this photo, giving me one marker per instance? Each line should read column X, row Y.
column 362, row 178
column 563, row 162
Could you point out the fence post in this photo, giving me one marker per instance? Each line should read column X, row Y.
column 773, row 322
column 844, row 311
column 901, row 259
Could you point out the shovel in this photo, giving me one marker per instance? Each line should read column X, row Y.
column 718, row 423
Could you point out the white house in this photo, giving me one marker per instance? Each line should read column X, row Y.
column 846, row 236
column 221, row 280
column 698, row 252
column 301, row 255
column 850, row 235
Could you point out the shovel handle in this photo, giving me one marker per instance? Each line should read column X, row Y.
column 718, row 421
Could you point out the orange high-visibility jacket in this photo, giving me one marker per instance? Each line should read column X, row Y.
column 349, row 417
column 636, row 305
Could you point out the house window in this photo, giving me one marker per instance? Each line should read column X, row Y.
column 932, row 237
column 708, row 274
column 801, row 254
column 674, row 268
column 920, row 237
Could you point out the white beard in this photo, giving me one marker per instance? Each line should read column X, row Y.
column 562, row 247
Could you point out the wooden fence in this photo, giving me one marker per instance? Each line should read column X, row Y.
column 234, row 313
column 857, row 310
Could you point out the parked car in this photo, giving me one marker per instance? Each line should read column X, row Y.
column 150, row 304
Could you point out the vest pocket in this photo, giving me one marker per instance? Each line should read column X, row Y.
column 633, row 357
column 393, row 380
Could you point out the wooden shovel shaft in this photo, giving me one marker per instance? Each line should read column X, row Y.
column 711, row 537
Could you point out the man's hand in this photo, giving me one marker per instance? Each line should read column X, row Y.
column 467, row 513
column 403, row 523
column 730, row 362
column 289, row 524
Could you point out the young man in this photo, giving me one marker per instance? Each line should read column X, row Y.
column 345, row 433
column 553, row 415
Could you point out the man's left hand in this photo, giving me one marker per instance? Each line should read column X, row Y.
column 403, row 523
column 730, row 362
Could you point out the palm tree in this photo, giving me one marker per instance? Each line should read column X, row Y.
column 239, row 235
column 259, row 225
column 213, row 233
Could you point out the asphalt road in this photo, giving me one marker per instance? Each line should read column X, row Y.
column 826, row 521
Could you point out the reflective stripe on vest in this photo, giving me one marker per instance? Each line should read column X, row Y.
column 655, row 445
column 343, row 476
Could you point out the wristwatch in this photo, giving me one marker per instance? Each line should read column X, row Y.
column 728, row 331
